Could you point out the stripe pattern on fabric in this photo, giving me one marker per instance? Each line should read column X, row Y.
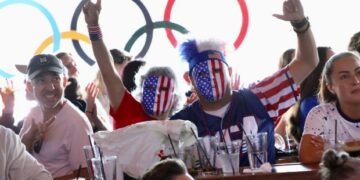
column 158, row 94
column 276, row 92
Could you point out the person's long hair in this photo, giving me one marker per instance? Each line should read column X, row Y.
column 309, row 87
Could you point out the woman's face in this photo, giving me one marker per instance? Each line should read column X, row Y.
column 345, row 80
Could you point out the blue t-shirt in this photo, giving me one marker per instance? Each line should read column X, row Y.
column 305, row 106
column 244, row 103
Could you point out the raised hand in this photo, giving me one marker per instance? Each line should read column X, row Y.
column 235, row 82
column 91, row 93
column 7, row 96
column 292, row 11
column 91, row 12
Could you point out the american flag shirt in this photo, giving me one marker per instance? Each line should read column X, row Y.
column 157, row 94
column 277, row 92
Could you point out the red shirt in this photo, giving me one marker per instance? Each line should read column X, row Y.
column 129, row 112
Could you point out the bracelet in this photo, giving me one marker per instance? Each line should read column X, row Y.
column 298, row 31
column 301, row 26
column 95, row 33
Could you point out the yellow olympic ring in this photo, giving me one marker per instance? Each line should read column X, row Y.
column 64, row 35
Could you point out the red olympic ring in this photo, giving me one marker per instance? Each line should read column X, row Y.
column 239, row 39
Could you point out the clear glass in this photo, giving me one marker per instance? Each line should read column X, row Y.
column 257, row 149
column 89, row 154
column 108, row 166
column 229, row 156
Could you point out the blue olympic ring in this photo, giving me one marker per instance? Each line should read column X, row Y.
column 44, row 11
column 149, row 31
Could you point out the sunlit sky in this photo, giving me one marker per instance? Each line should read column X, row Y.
column 24, row 28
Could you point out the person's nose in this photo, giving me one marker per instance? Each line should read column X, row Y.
column 50, row 85
column 357, row 79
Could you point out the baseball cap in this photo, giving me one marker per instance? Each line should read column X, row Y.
column 42, row 63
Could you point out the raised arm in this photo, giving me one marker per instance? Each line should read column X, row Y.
column 113, row 82
column 306, row 58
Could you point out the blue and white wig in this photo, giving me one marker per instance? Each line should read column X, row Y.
column 195, row 51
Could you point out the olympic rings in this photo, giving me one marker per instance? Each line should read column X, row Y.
column 73, row 27
column 149, row 31
column 148, row 28
column 5, row 74
column 64, row 35
column 239, row 39
column 44, row 11
column 159, row 24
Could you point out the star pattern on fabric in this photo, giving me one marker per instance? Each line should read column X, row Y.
column 149, row 93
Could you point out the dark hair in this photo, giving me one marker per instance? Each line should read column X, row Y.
column 129, row 73
column 354, row 44
column 72, row 93
column 120, row 56
column 286, row 58
column 165, row 170
column 308, row 87
column 336, row 165
column 61, row 54
column 324, row 94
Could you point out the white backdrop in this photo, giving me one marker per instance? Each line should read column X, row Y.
column 24, row 28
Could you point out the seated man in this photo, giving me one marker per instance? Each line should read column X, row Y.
column 15, row 162
column 54, row 131
column 233, row 114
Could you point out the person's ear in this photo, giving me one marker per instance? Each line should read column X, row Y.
column 186, row 77
column 65, row 81
column 28, row 87
column 330, row 88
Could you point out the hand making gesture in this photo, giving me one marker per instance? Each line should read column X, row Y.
column 34, row 136
column 292, row 11
column 91, row 12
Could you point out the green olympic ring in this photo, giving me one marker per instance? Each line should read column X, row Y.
column 158, row 24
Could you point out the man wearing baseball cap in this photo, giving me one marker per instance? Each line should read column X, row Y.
column 54, row 131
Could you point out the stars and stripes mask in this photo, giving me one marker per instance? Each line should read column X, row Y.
column 158, row 93
column 210, row 79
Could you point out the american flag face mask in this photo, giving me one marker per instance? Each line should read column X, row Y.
column 158, row 93
column 210, row 79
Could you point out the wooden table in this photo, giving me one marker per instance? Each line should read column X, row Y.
column 287, row 171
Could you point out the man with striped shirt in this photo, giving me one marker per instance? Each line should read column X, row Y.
column 232, row 114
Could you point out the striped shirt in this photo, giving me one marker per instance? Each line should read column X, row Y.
column 277, row 92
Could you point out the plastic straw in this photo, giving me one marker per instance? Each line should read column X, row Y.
column 91, row 145
column 227, row 152
column 172, row 146
column 102, row 164
column 78, row 172
column 251, row 146
column 335, row 133
column 201, row 148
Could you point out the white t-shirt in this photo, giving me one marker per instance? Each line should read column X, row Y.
column 15, row 161
column 321, row 120
column 62, row 149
